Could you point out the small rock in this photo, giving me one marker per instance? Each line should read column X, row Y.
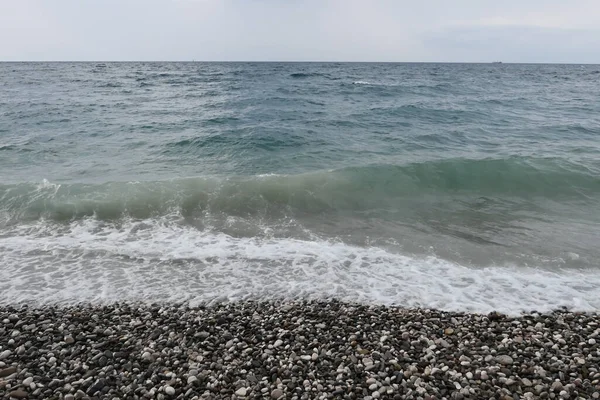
column 169, row 390
column 538, row 389
column 203, row 335
column 18, row 394
column 556, row 386
column 526, row 382
column 278, row 343
column 504, row 360
column 7, row 371
column 5, row 354
column 69, row 339
column 241, row 392
column 27, row 381
column 276, row 394
column 192, row 379
column 96, row 386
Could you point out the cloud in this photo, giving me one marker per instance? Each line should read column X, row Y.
column 347, row 30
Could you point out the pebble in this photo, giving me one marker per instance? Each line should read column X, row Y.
column 268, row 350
column 18, row 394
column 169, row 390
column 504, row 360
column 7, row 371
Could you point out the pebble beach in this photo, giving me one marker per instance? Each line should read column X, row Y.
column 294, row 350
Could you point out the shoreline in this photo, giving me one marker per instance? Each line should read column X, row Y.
column 294, row 350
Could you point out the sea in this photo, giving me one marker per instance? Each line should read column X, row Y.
column 462, row 187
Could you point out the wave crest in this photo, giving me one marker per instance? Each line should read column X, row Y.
column 350, row 189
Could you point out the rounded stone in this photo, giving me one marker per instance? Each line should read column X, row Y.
column 504, row 360
column 169, row 390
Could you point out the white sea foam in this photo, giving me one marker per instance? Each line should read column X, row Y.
column 158, row 260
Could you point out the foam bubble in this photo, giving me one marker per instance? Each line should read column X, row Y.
column 163, row 260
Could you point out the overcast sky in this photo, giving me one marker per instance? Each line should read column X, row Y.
column 304, row 30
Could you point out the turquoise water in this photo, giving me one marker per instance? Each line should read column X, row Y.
column 464, row 186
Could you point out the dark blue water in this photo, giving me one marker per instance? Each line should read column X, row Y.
column 465, row 186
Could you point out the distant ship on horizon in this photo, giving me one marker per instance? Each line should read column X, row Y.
column 496, row 62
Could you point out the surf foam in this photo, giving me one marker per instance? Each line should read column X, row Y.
column 160, row 260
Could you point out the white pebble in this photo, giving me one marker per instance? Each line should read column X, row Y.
column 169, row 390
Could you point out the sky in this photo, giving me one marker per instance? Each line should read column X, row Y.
column 539, row 31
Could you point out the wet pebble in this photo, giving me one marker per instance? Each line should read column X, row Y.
column 326, row 349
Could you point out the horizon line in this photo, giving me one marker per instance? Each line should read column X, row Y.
column 301, row 61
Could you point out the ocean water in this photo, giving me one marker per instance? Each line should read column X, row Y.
column 458, row 186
